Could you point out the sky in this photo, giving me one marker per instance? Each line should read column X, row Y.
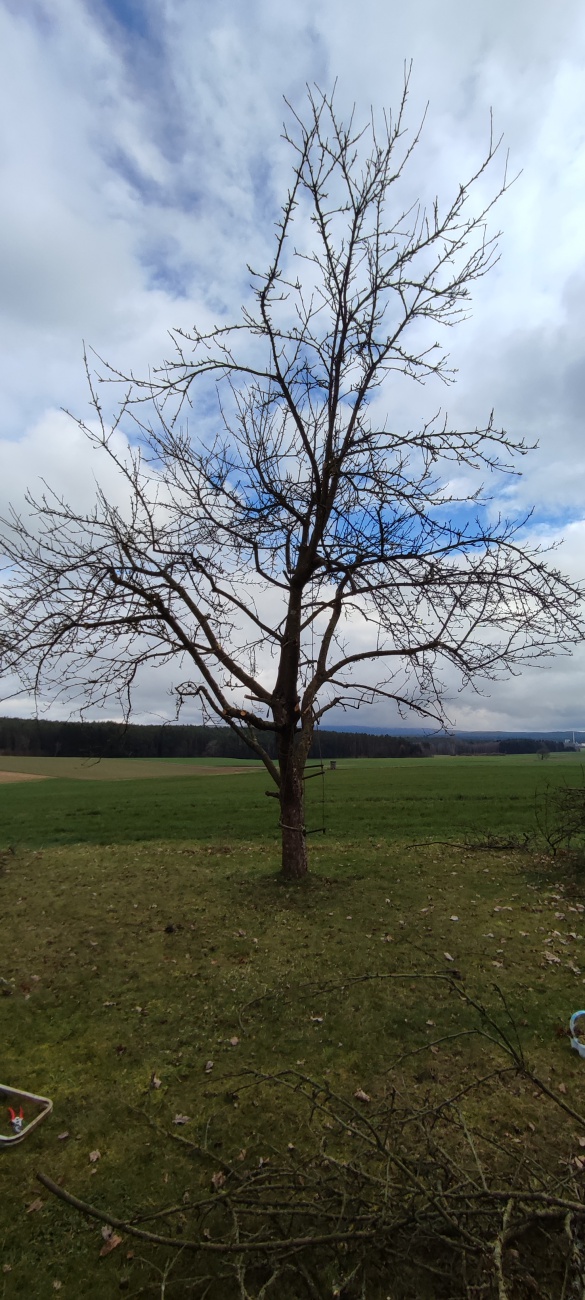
column 142, row 168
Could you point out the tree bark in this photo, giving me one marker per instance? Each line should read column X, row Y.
column 291, row 747
column 292, row 821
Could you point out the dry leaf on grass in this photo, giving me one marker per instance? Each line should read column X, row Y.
column 155, row 1082
column 360, row 1095
column 37, row 1204
column 448, row 956
column 218, row 1180
column 208, row 1067
column 181, row 1119
column 95, row 1155
column 111, row 1240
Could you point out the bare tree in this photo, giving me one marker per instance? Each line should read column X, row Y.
column 298, row 553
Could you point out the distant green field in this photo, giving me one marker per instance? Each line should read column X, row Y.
column 119, row 769
column 399, row 799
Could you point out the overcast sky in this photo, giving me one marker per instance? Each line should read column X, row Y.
column 142, row 167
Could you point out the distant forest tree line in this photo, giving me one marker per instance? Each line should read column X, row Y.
column 43, row 738
column 39, row 737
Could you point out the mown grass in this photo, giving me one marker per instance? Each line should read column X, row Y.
column 132, row 959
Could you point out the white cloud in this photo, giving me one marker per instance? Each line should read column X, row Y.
column 142, row 169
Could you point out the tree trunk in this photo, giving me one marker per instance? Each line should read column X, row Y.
column 292, row 821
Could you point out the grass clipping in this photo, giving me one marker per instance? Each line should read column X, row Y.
column 379, row 1199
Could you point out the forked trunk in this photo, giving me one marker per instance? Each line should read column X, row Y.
column 292, row 821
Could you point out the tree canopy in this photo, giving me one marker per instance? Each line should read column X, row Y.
column 284, row 542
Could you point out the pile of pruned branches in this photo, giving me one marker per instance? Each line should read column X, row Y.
column 388, row 1200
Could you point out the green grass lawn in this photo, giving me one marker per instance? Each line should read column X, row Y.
column 145, row 934
column 441, row 798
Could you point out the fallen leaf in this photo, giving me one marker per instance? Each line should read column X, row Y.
column 110, row 1243
column 37, row 1204
column 360, row 1095
column 562, row 1088
column 94, row 1155
column 234, row 1042
column 435, row 1050
column 7, row 1268
column 317, row 1019
column 218, row 1180
column 448, row 956
column 62, row 1137
column 208, row 1067
column 182, row 1119
column 581, row 1142
column 57, row 1284
column 155, row 1082
column 497, row 963
column 550, row 956
column 453, row 918
column 431, row 1023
